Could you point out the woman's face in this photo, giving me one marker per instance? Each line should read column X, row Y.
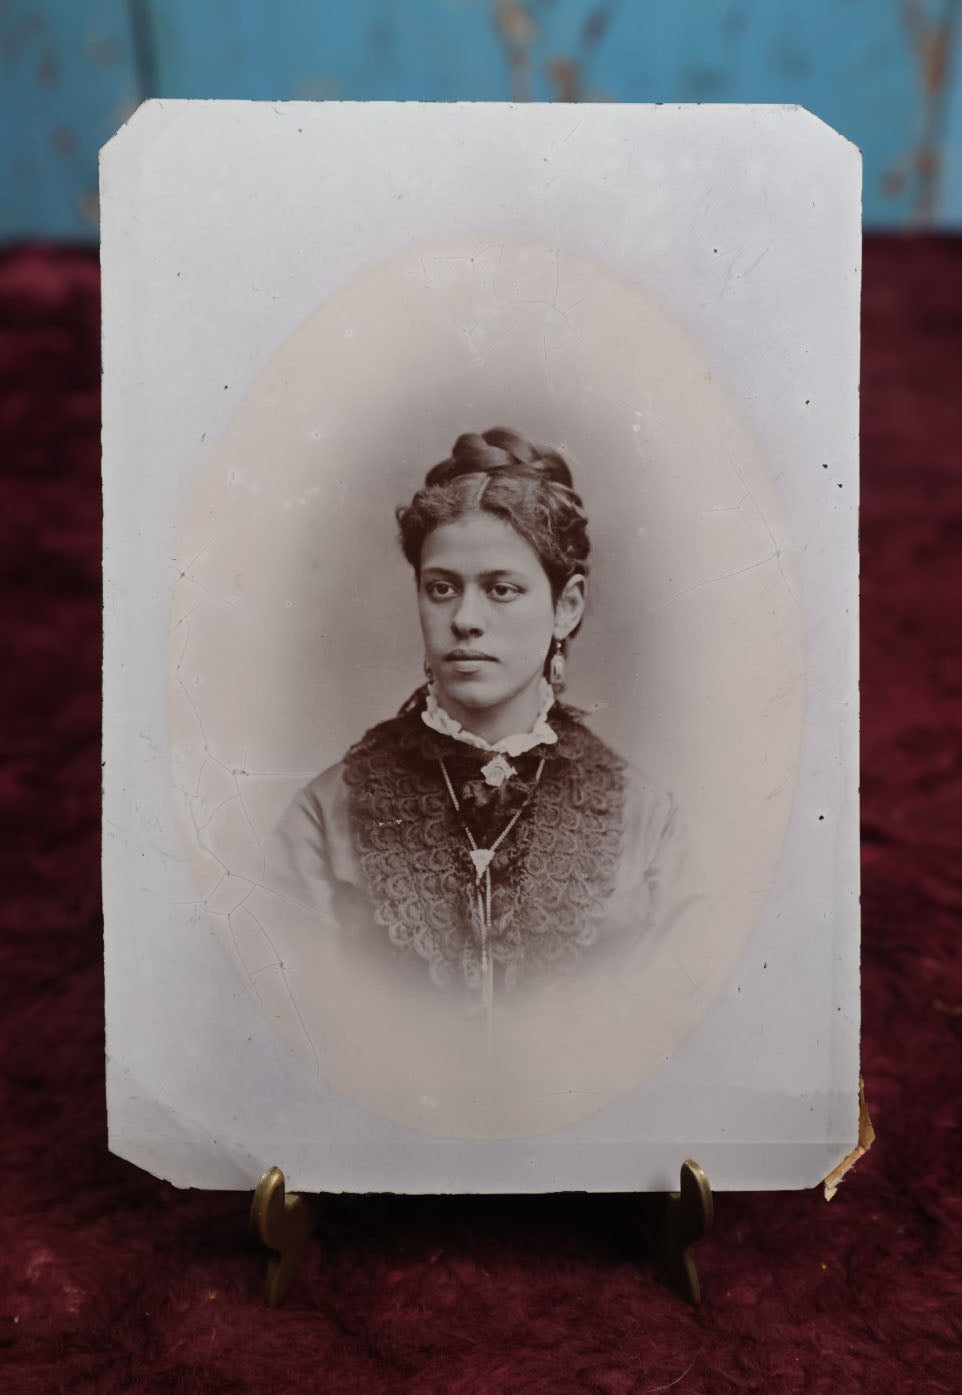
column 488, row 620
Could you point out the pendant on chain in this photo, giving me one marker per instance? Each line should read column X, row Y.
column 481, row 857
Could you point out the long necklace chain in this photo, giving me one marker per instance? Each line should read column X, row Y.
column 482, row 858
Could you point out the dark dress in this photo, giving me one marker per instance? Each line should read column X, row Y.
column 586, row 864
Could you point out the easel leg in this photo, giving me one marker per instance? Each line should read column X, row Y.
column 681, row 1219
column 284, row 1224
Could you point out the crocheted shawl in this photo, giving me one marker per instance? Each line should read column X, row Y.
column 551, row 878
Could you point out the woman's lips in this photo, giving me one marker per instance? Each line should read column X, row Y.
column 463, row 662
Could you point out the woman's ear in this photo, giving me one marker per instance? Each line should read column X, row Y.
column 570, row 607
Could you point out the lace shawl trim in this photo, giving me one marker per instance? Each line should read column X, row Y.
column 552, row 878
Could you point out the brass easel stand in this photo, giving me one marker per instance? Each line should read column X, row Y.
column 284, row 1224
column 678, row 1220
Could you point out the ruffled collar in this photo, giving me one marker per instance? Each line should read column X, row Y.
column 433, row 715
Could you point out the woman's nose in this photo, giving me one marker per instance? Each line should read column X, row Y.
column 468, row 618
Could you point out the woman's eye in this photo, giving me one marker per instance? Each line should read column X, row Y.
column 440, row 590
column 504, row 591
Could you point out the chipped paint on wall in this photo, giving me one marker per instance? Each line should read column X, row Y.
column 883, row 72
column 932, row 41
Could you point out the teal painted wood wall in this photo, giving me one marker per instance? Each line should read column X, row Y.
column 883, row 72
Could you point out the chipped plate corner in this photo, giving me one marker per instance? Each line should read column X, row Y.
column 866, row 1137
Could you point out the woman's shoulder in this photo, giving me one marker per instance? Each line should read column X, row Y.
column 585, row 747
column 328, row 792
column 578, row 742
column 646, row 797
column 322, row 788
column 393, row 731
column 383, row 751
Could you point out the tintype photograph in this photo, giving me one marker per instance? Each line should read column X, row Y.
column 480, row 734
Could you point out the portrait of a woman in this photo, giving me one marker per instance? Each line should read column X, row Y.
column 485, row 835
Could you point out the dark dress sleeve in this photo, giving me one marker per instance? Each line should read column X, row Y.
column 313, row 851
column 653, row 886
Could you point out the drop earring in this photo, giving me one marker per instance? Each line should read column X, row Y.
column 556, row 669
column 427, row 670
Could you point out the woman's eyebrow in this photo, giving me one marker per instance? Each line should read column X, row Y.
column 440, row 571
column 494, row 575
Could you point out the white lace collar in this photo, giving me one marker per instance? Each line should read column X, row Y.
column 541, row 734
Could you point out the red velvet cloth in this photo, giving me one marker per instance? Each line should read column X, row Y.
column 111, row 1281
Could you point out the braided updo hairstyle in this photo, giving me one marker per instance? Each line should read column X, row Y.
column 503, row 473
